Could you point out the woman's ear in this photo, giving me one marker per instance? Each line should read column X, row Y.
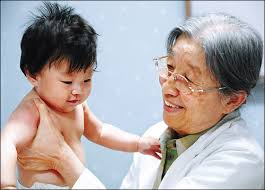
column 32, row 79
column 234, row 101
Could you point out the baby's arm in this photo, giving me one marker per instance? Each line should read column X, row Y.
column 19, row 130
column 114, row 138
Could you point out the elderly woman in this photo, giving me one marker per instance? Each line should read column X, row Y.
column 212, row 64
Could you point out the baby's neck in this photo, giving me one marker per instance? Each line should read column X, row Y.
column 33, row 94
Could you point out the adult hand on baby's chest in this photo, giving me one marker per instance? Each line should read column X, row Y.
column 46, row 145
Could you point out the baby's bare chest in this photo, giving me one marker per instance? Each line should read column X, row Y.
column 71, row 125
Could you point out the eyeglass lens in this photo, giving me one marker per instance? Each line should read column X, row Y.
column 181, row 83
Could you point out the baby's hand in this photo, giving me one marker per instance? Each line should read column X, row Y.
column 150, row 146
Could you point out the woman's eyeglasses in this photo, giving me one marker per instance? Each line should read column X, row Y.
column 182, row 83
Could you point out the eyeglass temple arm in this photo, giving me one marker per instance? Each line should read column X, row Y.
column 207, row 89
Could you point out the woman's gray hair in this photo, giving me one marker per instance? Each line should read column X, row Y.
column 233, row 49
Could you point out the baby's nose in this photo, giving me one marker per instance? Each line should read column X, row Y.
column 77, row 90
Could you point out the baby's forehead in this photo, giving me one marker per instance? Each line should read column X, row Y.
column 64, row 67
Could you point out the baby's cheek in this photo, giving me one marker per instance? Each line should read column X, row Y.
column 89, row 89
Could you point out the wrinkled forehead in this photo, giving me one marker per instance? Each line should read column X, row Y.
column 189, row 52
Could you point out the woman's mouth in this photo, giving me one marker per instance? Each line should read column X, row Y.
column 169, row 107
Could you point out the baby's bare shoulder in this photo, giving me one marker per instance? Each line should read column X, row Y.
column 21, row 126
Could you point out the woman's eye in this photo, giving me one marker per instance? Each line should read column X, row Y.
column 88, row 80
column 170, row 68
column 169, row 73
column 67, row 82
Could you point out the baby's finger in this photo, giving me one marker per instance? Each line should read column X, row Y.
column 156, row 148
column 154, row 141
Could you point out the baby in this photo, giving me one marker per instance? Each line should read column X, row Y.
column 58, row 57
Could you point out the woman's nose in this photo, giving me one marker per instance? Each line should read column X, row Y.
column 162, row 81
column 169, row 88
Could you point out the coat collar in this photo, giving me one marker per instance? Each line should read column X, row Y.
column 173, row 173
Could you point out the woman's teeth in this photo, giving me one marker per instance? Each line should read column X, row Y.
column 171, row 105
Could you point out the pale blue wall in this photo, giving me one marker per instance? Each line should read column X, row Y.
column 126, row 92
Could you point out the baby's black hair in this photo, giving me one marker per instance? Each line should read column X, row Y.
column 56, row 34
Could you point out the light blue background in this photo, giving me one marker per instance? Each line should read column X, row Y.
column 126, row 92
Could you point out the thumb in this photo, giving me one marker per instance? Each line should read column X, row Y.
column 44, row 119
column 40, row 105
column 43, row 111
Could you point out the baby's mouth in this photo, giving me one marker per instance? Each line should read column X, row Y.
column 73, row 101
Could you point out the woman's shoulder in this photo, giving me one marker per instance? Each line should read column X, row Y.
column 231, row 148
column 236, row 137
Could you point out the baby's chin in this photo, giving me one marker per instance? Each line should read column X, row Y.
column 68, row 109
column 65, row 109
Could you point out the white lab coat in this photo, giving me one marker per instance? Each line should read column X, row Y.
column 225, row 157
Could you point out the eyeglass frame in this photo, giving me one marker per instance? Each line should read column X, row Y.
column 210, row 89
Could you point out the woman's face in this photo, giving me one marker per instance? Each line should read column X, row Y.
column 189, row 114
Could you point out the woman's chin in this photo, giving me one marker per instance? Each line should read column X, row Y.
column 173, row 115
column 175, row 121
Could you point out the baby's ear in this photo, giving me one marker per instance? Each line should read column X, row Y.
column 32, row 79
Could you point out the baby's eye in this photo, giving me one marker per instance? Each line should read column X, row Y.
column 87, row 80
column 67, row 82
